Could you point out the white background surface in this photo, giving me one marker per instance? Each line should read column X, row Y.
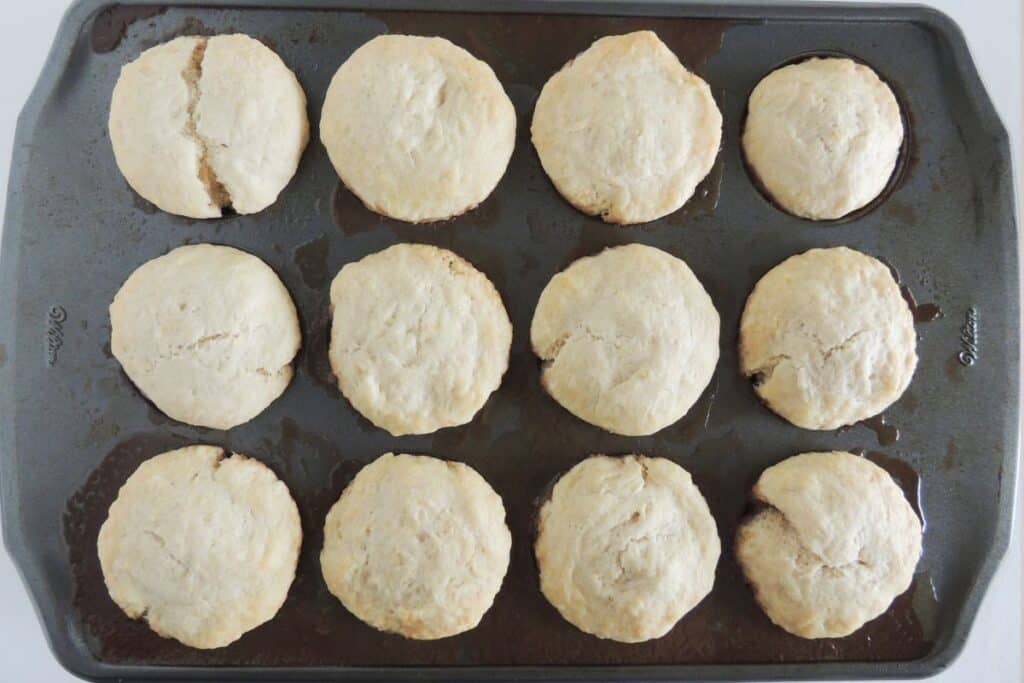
column 994, row 33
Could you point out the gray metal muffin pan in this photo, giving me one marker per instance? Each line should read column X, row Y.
column 72, row 427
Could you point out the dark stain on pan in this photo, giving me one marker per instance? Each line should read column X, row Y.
column 887, row 434
column 909, row 402
column 268, row 41
column 311, row 260
column 951, row 460
column 315, row 344
column 594, row 237
column 193, row 26
column 546, row 229
column 922, row 313
column 705, row 197
column 109, row 26
column 157, row 418
column 955, row 370
column 925, row 600
column 352, row 216
column 902, row 212
column 553, row 40
column 143, row 205
column 905, row 476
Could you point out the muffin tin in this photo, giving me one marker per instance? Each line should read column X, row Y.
column 72, row 427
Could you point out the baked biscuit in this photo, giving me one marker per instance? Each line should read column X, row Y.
column 416, row 546
column 201, row 545
column 207, row 333
column 200, row 124
column 419, row 338
column 828, row 339
column 626, row 546
column 628, row 338
column 823, row 136
column 624, row 131
column 417, row 128
column 836, row 542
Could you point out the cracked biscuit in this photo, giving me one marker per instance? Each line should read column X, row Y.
column 199, row 125
column 417, row 128
column 628, row 339
column 823, row 136
column 834, row 544
column 207, row 333
column 625, row 131
column 416, row 546
column 200, row 545
column 828, row 339
column 419, row 338
column 626, row 546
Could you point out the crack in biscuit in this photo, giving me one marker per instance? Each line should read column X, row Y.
column 626, row 574
column 764, row 371
column 159, row 540
column 550, row 354
column 616, row 340
column 841, row 346
column 218, row 194
column 819, row 562
column 180, row 350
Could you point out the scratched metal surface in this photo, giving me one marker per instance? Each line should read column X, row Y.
column 73, row 427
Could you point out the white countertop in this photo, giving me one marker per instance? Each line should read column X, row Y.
column 993, row 29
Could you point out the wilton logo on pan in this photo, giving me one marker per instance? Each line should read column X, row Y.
column 969, row 338
column 55, row 319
